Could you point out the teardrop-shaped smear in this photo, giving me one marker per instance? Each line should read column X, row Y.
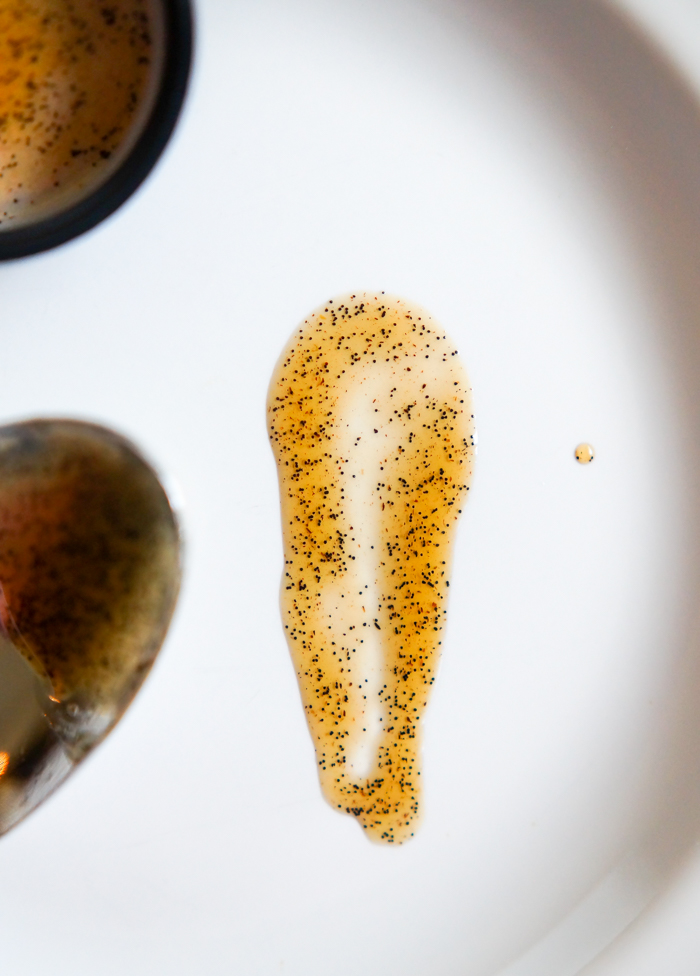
column 370, row 420
column 89, row 577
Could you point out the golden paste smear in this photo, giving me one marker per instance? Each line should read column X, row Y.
column 76, row 77
column 371, row 423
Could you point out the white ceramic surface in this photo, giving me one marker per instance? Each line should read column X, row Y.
column 530, row 172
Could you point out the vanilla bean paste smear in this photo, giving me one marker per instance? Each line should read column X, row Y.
column 370, row 419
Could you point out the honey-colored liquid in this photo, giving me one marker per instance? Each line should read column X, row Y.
column 77, row 79
column 370, row 420
column 89, row 575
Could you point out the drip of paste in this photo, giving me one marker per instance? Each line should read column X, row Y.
column 371, row 424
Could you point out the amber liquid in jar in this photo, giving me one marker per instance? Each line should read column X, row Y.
column 78, row 79
column 89, row 576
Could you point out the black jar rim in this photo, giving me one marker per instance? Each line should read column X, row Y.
column 110, row 195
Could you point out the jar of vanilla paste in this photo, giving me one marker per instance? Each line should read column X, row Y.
column 90, row 91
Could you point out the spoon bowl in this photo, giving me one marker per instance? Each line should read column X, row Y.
column 89, row 577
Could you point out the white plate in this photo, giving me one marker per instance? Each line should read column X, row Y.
column 530, row 172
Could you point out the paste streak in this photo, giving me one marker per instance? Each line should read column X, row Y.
column 371, row 424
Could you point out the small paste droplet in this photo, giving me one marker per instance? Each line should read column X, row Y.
column 584, row 454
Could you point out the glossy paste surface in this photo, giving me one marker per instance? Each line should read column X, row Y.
column 371, row 423
column 584, row 453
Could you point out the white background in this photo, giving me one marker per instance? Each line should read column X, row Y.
column 474, row 160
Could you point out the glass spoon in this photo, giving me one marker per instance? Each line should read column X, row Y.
column 89, row 577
